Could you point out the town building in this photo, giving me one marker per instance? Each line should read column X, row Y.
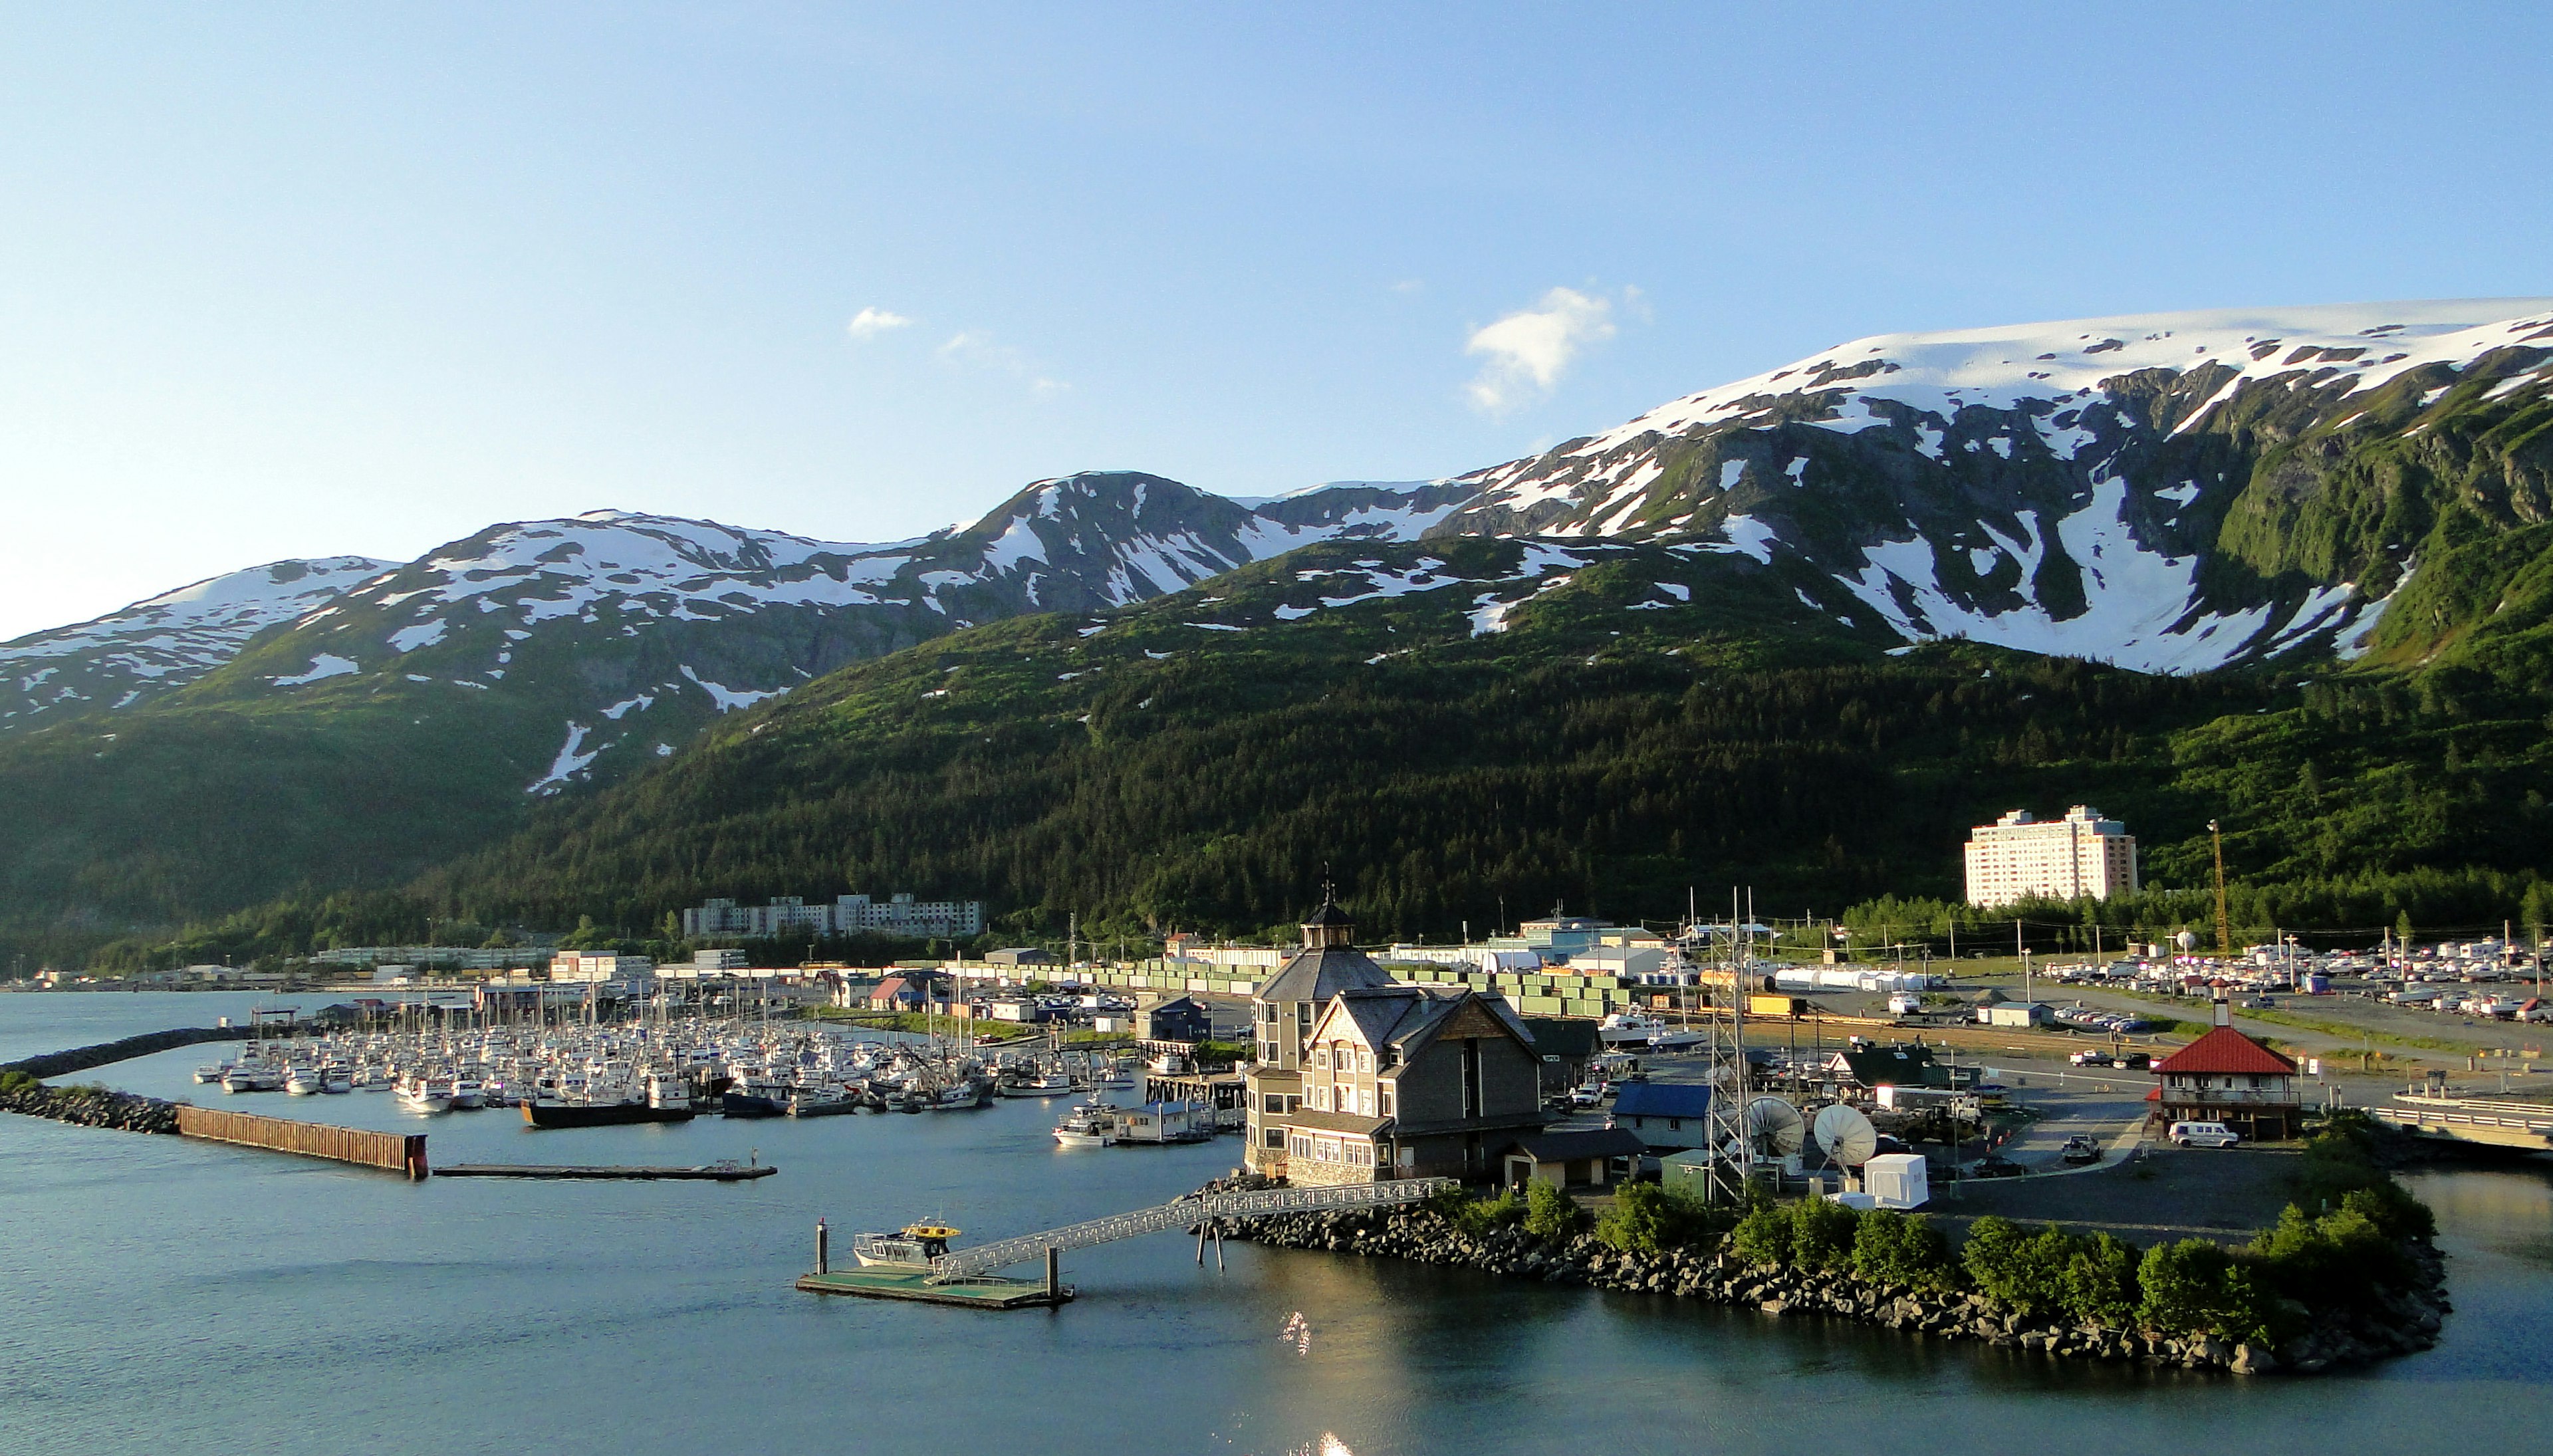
column 1360, row 1078
column 1665, row 1117
column 2079, row 857
column 1178, row 1018
column 638, row 973
column 2226, row 1076
column 1587, row 1157
column 847, row 915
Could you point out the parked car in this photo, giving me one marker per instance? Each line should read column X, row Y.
column 2093, row 1058
column 2203, row 1135
column 2137, row 1061
column 1995, row 1165
column 2080, row 1150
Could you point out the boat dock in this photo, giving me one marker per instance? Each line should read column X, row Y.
column 721, row 1173
column 965, row 1278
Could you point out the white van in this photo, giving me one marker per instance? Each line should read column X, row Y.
column 2203, row 1135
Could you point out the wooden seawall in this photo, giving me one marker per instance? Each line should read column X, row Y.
column 395, row 1152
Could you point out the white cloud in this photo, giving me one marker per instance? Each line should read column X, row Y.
column 977, row 349
column 868, row 323
column 1526, row 352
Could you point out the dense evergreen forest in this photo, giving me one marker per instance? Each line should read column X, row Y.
column 1202, row 762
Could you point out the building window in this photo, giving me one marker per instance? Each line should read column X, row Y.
column 1275, row 1137
column 1387, row 1099
column 1365, row 1103
column 1321, row 1058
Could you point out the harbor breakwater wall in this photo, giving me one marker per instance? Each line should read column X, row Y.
column 81, row 1058
column 2333, row 1338
column 393, row 1151
column 88, row 1106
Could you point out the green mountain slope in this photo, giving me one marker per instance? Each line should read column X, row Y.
column 1159, row 771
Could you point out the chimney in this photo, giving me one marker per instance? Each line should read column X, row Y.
column 2223, row 1008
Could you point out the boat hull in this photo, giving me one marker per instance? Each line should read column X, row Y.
column 744, row 1104
column 561, row 1114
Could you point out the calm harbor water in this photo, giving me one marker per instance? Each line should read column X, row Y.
column 161, row 1293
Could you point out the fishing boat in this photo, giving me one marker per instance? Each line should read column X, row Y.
column 663, row 1098
column 1044, row 1084
column 757, row 1097
column 913, row 1246
column 466, row 1095
column 335, row 1079
column 823, row 1099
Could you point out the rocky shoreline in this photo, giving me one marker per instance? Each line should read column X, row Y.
column 23, row 1091
column 2333, row 1338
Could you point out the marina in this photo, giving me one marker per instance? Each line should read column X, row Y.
column 1404, row 1358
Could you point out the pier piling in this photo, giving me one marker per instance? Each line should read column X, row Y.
column 822, row 1266
column 1053, row 1284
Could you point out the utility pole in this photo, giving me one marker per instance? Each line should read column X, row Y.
column 2224, row 926
column 2020, row 948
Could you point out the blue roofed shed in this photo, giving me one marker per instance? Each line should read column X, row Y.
column 1667, row 1117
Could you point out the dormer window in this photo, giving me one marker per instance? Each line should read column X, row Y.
column 1321, row 1058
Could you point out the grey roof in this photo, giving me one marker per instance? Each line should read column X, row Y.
column 1574, row 1144
column 1317, row 975
column 1336, row 1122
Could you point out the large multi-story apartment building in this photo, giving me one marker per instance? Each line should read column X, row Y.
column 2081, row 855
column 846, row 915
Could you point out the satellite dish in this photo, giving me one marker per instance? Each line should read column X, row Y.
column 1774, row 1127
column 2186, row 940
column 1844, row 1135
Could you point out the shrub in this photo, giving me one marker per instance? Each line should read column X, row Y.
column 1487, row 1215
column 17, row 1081
column 2342, row 1254
column 1646, row 1218
column 1552, row 1214
column 1822, row 1234
column 2197, row 1288
column 2101, row 1280
column 1763, row 1236
column 1891, row 1248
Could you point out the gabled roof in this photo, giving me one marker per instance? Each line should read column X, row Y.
column 1407, row 1018
column 2226, row 1051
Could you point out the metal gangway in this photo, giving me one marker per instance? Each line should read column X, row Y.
column 1181, row 1212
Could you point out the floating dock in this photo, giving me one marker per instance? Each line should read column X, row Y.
column 721, row 1172
column 978, row 1292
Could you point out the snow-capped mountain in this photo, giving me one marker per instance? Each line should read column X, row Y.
column 2115, row 489
column 630, row 631
column 135, row 654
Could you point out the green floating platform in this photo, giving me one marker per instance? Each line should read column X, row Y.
column 981, row 1292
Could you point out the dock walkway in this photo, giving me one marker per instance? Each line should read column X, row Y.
column 1182, row 1212
column 721, row 1172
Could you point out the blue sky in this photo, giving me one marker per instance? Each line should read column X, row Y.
column 282, row 281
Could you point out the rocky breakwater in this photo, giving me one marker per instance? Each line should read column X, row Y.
column 86, row 1106
column 1711, row 1269
column 81, row 1058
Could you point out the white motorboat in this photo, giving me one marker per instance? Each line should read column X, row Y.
column 1093, row 1124
column 212, row 1072
column 252, row 1077
column 466, row 1095
column 1630, row 1028
column 335, row 1079
column 417, row 1095
column 1048, row 1084
column 301, row 1081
